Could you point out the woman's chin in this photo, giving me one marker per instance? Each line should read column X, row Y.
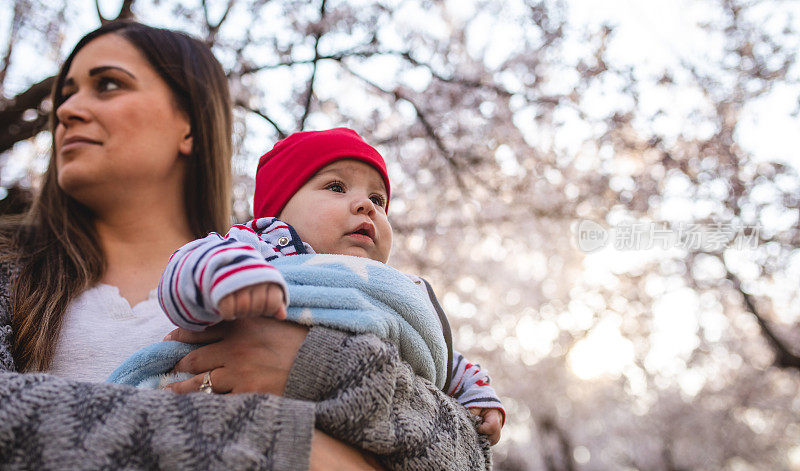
column 84, row 188
column 71, row 181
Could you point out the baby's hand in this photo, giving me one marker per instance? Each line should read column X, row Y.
column 263, row 299
column 492, row 422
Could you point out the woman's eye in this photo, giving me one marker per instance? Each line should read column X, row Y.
column 377, row 200
column 64, row 97
column 106, row 84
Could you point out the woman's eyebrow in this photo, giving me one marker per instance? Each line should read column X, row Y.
column 99, row 70
column 69, row 81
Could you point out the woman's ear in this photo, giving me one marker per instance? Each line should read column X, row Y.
column 186, row 145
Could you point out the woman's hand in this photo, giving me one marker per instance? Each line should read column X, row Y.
column 329, row 454
column 247, row 355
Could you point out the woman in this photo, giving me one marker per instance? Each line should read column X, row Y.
column 140, row 166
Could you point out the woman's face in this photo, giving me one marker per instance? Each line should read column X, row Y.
column 119, row 131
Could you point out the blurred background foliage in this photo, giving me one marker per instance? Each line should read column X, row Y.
column 507, row 125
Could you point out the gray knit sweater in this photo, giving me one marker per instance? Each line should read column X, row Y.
column 354, row 387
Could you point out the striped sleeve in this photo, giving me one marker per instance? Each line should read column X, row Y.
column 471, row 387
column 204, row 271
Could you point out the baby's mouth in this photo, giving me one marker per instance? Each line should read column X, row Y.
column 364, row 230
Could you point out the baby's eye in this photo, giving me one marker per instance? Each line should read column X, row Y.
column 335, row 186
column 377, row 200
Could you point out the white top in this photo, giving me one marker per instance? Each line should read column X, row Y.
column 101, row 330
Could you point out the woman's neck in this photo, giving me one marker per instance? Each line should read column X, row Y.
column 137, row 243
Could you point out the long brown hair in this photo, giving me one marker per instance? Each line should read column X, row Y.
column 55, row 245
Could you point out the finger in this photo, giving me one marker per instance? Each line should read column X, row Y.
column 200, row 360
column 258, row 300
column 491, row 425
column 475, row 411
column 492, row 433
column 192, row 385
column 242, row 298
column 211, row 334
column 220, row 381
column 492, row 418
column 487, row 429
column 227, row 307
column 275, row 300
column 187, row 386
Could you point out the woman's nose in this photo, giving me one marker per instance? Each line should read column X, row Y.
column 73, row 109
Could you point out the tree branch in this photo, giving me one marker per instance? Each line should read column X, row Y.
column 310, row 90
column 13, row 128
column 784, row 358
column 563, row 445
column 406, row 55
column 281, row 133
column 336, row 57
column 17, row 200
column 422, row 117
column 454, row 80
column 16, row 22
column 668, row 455
column 213, row 29
column 103, row 19
column 556, row 214
column 125, row 12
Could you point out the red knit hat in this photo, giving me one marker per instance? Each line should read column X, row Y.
column 294, row 160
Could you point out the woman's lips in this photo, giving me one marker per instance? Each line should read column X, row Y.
column 74, row 142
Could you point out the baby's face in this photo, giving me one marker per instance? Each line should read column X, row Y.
column 342, row 210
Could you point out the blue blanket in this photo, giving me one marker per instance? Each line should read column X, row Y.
column 348, row 293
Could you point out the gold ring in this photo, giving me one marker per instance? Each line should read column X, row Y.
column 206, row 386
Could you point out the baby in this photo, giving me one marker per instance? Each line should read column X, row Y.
column 321, row 192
